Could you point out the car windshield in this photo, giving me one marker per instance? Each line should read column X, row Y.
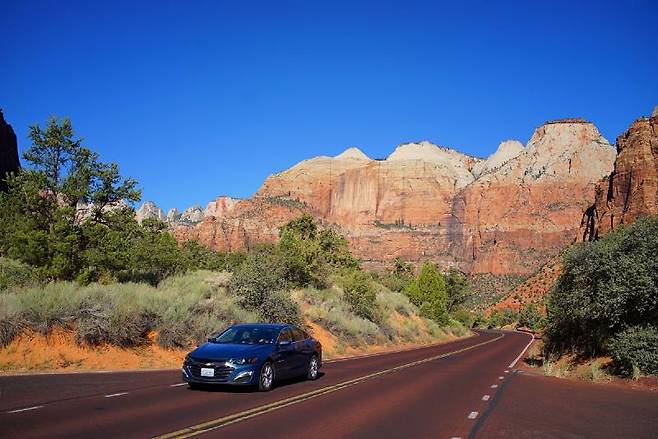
column 247, row 335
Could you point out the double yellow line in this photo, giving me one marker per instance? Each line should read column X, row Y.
column 214, row 424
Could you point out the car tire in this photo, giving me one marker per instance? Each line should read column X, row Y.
column 266, row 377
column 313, row 368
column 194, row 386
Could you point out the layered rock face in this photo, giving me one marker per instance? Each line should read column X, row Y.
column 8, row 152
column 512, row 219
column 631, row 191
column 506, row 214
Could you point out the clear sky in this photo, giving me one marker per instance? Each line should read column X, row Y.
column 201, row 98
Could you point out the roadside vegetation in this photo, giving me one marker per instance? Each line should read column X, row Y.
column 605, row 303
column 73, row 258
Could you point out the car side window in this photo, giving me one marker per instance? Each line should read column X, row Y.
column 297, row 334
column 285, row 335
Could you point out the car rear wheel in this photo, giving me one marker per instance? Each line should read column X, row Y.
column 266, row 378
column 313, row 368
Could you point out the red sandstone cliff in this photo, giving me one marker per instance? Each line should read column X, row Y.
column 631, row 191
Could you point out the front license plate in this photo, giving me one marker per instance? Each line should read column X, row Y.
column 207, row 372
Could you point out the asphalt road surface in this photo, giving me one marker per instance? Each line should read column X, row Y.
column 467, row 388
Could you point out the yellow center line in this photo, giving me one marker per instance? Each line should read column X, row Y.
column 214, row 424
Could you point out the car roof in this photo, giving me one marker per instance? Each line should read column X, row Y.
column 264, row 325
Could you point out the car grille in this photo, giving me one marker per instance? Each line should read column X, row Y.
column 222, row 371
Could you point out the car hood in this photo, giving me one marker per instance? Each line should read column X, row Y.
column 224, row 351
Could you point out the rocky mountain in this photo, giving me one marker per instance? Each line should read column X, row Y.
column 8, row 152
column 631, row 191
column 149, row 210
column 507, row 214
column 514, row 218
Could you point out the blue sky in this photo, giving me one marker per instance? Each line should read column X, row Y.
column 201, row 98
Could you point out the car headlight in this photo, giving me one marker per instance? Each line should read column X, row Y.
column 243, row 361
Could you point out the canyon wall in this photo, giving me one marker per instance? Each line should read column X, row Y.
column 631, row 191
column 507, row 214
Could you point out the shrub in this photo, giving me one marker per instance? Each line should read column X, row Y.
column 261, row 273
column 360, row 294
column 279, row 307
column 531, row 317
column 465, row 317
column 605, row 287
column 11, row 321
column 328, row 308
column 498, row 318
column 15, row 274
column 636, row 348
column 428, row 292
column 458, row 288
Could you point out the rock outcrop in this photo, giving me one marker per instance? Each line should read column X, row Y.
column 631, row 191
column 507, row 214
column 8, row 152
column 173, row 215
column 506, row 151
column 149, row 210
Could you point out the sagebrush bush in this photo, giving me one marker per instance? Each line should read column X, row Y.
column 636, row 348
column 183, row 310
column 360, row 294
column 11, row 321
column 328, row 308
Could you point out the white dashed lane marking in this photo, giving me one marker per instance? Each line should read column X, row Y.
column 116, row 394
column 485, row 398
column 501, row 378
column 472, row 415
column 26, row 409
column 493, row 386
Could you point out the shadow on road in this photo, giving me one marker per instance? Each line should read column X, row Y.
column 227, row 388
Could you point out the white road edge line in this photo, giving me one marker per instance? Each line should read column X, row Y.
column 178, row 385
column 532, row 338
column 472, row 415
column 485, row 398
column 26, row 409
column 112, row 395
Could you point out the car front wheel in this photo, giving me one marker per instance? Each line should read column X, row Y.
column 313, row 368
column 266, row 378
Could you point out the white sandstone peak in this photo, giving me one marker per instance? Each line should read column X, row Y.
column 506, row 151
column 352, row 153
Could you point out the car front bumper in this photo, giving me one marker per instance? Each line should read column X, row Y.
column 237, row 375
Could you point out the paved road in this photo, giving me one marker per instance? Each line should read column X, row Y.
column 461, row 389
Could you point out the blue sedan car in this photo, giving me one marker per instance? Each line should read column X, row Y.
column 254, row 354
